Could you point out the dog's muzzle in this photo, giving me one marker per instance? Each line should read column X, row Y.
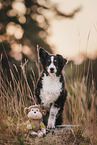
column 51, row 70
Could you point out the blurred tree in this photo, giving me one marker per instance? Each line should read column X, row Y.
column 26, row 22
column 22, row 22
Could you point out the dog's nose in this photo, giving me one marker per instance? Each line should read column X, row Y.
column 52, row 70
column 34, row 112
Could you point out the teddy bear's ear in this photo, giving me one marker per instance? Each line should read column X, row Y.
column 26, row 110
column 44, row 112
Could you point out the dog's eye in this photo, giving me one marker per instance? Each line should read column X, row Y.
column 32, row 110
column 55, row 60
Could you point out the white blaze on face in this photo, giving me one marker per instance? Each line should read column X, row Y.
column 52, row 68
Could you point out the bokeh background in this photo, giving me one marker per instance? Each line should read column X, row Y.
column 66, row 27
column 61, row 27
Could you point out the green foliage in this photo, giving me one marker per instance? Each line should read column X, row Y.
column 32, row 125
column 9, row 122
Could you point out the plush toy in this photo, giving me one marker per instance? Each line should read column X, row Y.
column 35, row 124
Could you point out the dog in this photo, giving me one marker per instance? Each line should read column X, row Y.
column 50, row 89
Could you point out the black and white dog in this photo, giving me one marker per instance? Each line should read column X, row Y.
column 50, row 90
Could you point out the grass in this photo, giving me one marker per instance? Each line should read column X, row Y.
column 17, row 94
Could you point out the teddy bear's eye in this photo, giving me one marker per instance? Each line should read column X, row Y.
column 37, row 110
column 32, row 110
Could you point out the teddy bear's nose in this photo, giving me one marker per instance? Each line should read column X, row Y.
column 34, row 112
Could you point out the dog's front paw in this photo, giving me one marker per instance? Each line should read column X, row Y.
column 51, row 125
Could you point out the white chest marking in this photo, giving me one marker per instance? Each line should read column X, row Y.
column 51, row 89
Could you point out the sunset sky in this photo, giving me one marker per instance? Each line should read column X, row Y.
column 75, row 38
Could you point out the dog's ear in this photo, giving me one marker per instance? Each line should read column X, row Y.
column 61, row 62
column 42, row 54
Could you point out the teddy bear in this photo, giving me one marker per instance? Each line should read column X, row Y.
column 35, row 124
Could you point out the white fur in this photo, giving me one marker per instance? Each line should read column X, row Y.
column 52, row 65
column 52, row 117
column 51, row 89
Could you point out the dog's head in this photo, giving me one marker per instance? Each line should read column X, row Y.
column 52, row 64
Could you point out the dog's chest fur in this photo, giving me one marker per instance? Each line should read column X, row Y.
column 51, row 88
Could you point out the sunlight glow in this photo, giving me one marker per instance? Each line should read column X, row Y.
column 75, row 38
column 15, row 30
column 22, row 19
column 19, row 10
column 18, row 50
column 42, row 34
column 19, row 7
column 26, row 50
column 1, row 5
column 12, row 13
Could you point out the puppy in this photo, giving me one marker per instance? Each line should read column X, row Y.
column 50, row 91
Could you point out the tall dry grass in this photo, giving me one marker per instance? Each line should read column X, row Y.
column 80, row 107
column 17, row 94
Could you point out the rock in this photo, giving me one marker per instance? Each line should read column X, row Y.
column 60, row 129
